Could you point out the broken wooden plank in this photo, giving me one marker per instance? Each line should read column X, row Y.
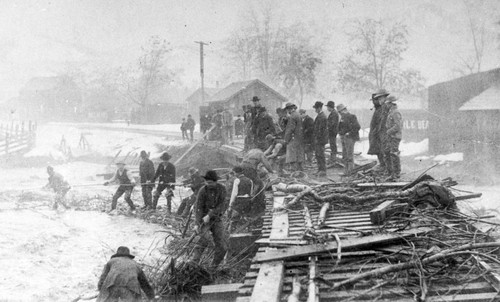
column 220, row 292
column 492, row 276
column 385, row 210
column 269, row 282
column 279, row 228
column 313, row 290
column 349, row 244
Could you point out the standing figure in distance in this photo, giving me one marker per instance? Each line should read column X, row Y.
column 333, row 130
column 59, row 185
column 293, row 139
column 122, row 279
column 190, row 123
column 320, row 138
column 308, row 132
column 184, row 129
column 394, row 127
column 127, row 183
column 376, row 137
column 165, row 173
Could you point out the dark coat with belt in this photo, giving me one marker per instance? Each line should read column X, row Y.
column 146, row 170
column 308, row 127
column 375, row 136
column 320, row 129
column 349, row 126
column 121, row 271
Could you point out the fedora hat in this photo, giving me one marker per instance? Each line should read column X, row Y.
column 392, row 99
column 290, row 105
column 165, row 156
column 123, row 251
column 379, row 93
column 211, row 175
column 255, row 99
column 318, row 105
column 341, row 107
column 330, row 104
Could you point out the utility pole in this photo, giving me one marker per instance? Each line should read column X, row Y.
column 202, row 72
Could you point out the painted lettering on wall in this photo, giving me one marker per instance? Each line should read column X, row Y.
column 415, row 124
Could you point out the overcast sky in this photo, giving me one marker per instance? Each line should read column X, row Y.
column 39, row 38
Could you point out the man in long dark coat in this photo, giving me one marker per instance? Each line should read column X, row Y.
column 165, row 173
column 394, row 125
column 320, row 138
column 308, row 131
column 263, row 126
column 293, row 138
column 333, row 130
column 376, row 136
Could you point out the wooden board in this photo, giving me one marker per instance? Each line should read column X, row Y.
column 269, row 282
column 349, row 244
column 384, row 210
column 279, row 228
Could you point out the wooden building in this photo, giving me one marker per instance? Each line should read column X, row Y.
column 237, row 94
column 197, row 99
column 451, row 129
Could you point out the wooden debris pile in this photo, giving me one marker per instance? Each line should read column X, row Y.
column 362, row 242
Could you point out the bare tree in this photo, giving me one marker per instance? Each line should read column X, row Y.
column 145, row 79
column 240, row 48
column 375, row 58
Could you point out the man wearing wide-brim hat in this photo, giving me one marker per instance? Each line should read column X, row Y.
column 320, row 134
column 165, row 174
column 333, row 129
column 127, row 183
column 376, row 136
column 209, row 208
column 122, row 279
column 349, row 133
column 394, row 126
column 294, row 138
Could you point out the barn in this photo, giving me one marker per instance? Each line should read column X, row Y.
column 237, row 94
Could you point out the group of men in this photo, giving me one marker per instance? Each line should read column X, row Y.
column 385, row 134
column 188, row 125
column 295, row 137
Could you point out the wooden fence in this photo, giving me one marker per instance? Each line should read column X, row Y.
column 17, row 138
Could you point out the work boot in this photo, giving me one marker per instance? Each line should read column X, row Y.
column 155, row 202
column 169, row 206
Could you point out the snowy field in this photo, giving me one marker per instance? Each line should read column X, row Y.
column 58, row 255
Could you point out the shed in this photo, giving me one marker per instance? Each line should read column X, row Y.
column 449, row 127
column 237, row 94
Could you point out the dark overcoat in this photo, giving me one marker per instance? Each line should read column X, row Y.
column 320, row 129
column 294, row 139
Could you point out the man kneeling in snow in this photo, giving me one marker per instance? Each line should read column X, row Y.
column 122, row 279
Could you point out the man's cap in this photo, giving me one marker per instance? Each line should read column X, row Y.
column 123, row 251
column 290, row 105
column 165, row 156
column 144, row 153
column 211, row 175
column 301, row 111
column 341, row 107
column 379, row 93
column 50, row 168
column 330, row 104
column 255, row 99
column 318, row 105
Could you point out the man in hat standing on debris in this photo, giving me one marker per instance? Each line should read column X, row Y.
column 184, row 129
column 377, row 134
column 122, row 279
column 209, row 207
column 264, row 125
column 394, row 125
column 165, row 173
column 293, row 138
column 59, row 185
column 307, row 134
column 147, row 174
column 333, row 130
column 127, row 183
column 320, row 138
column 349, row 133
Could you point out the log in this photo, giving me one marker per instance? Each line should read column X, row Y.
column 313, row 292
column 322, row 214
column 349, row 244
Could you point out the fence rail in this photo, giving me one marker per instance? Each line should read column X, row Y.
column 16, row 138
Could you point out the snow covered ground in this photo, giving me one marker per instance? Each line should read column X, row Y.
column 56, row 256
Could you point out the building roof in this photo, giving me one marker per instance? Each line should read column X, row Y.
column 487, row 100
column 234, row 88
column 196, row 95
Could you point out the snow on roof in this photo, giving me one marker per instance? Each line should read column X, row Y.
column 487, row 100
